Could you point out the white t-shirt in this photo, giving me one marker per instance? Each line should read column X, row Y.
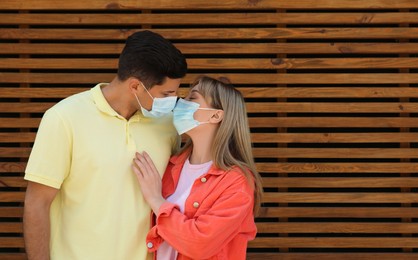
column 188, row 175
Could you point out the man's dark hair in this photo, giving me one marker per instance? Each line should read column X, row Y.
column 150, row 58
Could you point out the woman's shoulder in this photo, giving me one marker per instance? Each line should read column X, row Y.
column 237, row 179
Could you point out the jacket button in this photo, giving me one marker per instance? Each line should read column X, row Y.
column 150, row 244
column 195, row 204
column 203, row 179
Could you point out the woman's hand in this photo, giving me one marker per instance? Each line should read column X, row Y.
column 149, row 180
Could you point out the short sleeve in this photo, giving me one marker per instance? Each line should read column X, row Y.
column 50, row 158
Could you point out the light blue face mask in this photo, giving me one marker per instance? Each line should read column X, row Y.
column 160, row 106
column 183, row 119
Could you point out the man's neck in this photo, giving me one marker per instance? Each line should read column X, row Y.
column 117, row 95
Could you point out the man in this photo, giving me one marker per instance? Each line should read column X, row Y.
column 82, row 200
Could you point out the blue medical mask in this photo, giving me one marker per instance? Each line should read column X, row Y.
column 160, row 106
column 183, row 119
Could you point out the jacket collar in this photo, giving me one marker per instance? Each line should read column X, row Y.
column 180, row 159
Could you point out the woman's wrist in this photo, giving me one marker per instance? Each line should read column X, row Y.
column 156, row 204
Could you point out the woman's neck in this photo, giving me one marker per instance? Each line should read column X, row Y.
column 201, row 152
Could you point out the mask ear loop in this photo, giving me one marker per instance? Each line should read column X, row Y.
column 207, row 109
column 137, row 99
column 147, row 90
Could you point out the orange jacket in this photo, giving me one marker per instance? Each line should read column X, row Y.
column 218, row 218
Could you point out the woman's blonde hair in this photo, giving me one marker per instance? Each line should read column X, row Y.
column 232, row 142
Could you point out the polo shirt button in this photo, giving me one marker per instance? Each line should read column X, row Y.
column 195, row 204
column 203, row 179
column 150, row 244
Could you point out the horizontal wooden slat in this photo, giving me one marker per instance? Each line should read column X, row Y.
column 256, row 78
column 39, row 92
column 23, row 152
column 333, row 122
column 59, row 63
column 217, row 48
column 202, row 4
column 267, row 107
column 326, row 92
column 350, row 153
column 321, row 227
column 24, row 107
column 340, row 212
column 331, row 107
column 10, row 196
column 13, row 256
column 326, row 63
column 340, row 197
column 276, row 63
column 19, row 122
column 329, row 227
column 332, row 256
column 12, row 166
column 18, row 137
column 219, row 33
column 313, row 122
column 11, row 242
column 11, row 212
column 27, row 137
column 293, row 197
column 341, row 182
column 335, row 242
column 248, row 92
column 294, row 167
column 16, row 182
column 326, row 137
column 208, row 18
column 293, row 182
column 350, row 167
column 11, row 227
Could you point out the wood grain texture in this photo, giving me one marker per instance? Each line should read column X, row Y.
column 331, row 90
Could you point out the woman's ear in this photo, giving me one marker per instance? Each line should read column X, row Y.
column 217, row 117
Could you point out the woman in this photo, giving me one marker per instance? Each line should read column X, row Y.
column 208, row 196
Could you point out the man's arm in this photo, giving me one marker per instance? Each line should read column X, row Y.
column 36, row 223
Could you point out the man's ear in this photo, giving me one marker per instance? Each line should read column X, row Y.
column 217, row 117
column 134, row 84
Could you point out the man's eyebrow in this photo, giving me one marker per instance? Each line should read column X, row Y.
column 169, row 91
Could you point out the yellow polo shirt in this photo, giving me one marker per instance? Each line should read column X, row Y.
column 85, row 149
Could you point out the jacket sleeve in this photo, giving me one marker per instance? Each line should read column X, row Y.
column 204, row 236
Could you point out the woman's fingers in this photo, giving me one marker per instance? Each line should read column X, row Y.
column 149, row 180
column 139, row 166
column 145, row 165
column 150, row 162
column 136, row 169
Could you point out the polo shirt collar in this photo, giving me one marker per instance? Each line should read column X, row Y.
column 101, row 102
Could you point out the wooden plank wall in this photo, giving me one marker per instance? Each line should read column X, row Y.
column 331, row 89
